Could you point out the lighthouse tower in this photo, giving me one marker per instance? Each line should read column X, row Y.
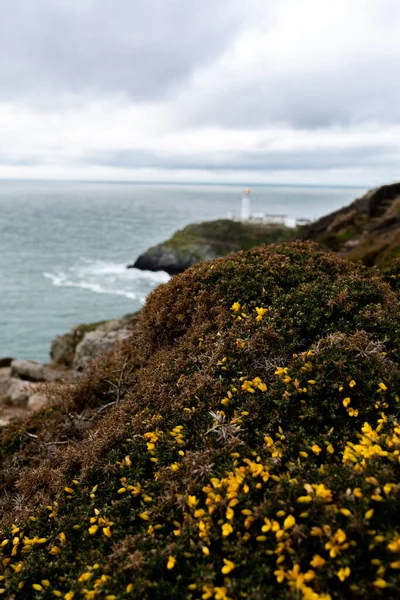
column 245, row 211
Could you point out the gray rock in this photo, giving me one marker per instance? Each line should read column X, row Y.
column 38, row 401
column 164, row 259
column 14, row 391
column 33, row 371
column 63, row 347
column 95, row 343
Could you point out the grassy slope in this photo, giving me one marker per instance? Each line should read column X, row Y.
column 219, row 238
column 238, row 462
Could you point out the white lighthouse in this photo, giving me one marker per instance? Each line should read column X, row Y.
column 245, row 210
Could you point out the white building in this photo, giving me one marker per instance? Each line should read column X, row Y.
column 270, row 219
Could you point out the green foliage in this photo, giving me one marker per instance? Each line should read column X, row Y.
column 211, row 239
column 253, row 449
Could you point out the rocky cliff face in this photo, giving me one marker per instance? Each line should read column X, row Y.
column 367, row 230
column 206, row 241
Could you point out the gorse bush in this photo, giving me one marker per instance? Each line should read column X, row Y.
column 250, row 445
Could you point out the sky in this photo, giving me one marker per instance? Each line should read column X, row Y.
column 295, row 91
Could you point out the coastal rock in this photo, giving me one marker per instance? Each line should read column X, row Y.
column 14, row 391
column 33, row 371
column 207, row 241
column 94, row 343
column 63, row 347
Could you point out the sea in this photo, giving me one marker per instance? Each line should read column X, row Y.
column 65, row 246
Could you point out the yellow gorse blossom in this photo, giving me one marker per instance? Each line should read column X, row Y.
column 343, row 573
column 171, row 562
column 228, row 566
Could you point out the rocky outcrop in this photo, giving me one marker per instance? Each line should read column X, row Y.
column 95, row 343
column 30, row 370
column 64, row 347
column 207, row 241
column 13, row 391
column 25, row 385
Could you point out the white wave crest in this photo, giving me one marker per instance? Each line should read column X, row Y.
column 103, row 277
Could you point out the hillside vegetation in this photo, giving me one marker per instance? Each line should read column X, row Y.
column 368, row 230
column 244, row 443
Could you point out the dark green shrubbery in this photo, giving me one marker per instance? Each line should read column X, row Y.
column 253, row 450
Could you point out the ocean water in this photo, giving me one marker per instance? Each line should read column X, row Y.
column 64, row 247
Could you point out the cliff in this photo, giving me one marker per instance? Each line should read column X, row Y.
column 206, row 241
column 242, row 443
column 367, row 230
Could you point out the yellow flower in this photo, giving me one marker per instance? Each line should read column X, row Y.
column 107, row 532
column 330, row 449
column 62, row 537
column 382, row 387
column 260, row 313
column 192, row 501
column 171, row 562
column 346, row 402
column 220, row 593
column 304, row 499
column 129, row 587
column 316, row 449
column 229, row 514
column 37, row 587
column 69, row 596
column 322, row 492
column 84, row 576
column 380, row 583
column 289, row 522
column 369, row 513
column 92, row 530
column 144, row 516
column 55, row 550
column 343, row 573
column 317, row 561
column 228, row 567
column 205, row 551
column 352, row 383
column 352, row 412
column 226, row 529
column 235, row 307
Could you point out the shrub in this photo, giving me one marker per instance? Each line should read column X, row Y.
column 254, row 450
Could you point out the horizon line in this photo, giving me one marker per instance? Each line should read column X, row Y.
column 183, row 183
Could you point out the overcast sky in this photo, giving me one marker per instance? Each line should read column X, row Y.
column 289, row 91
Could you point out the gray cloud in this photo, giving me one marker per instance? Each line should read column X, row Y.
column 142, row 48
column 270, row 160
column 357, row 92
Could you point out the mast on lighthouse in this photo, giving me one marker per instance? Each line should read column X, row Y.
column 245, row 211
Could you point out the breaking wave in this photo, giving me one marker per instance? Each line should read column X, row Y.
column 103, row 277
